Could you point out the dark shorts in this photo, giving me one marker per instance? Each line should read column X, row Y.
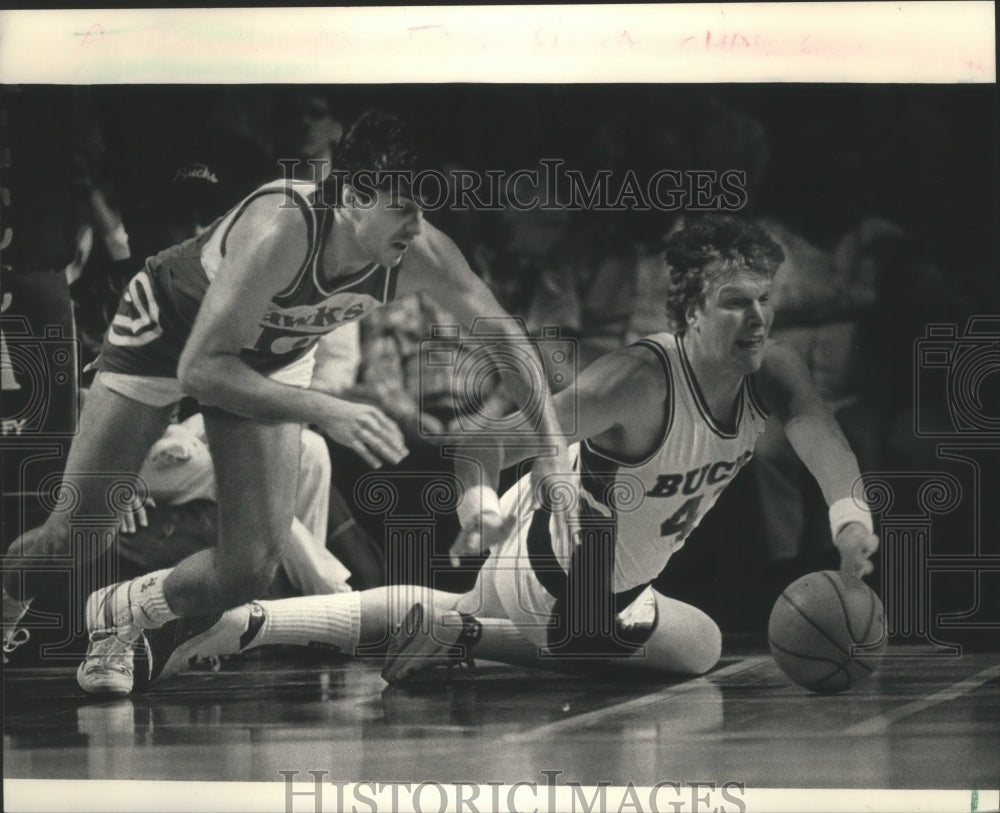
column 149, row 330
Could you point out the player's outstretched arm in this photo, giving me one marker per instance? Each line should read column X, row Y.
column 436, row 265
column 266, row 247
column 814, row 433
column 610, row 398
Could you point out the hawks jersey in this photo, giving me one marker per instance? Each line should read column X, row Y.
column 639, row 512
column 160, row 304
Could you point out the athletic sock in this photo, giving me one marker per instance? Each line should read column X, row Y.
column 147, row 602
column 331, row 621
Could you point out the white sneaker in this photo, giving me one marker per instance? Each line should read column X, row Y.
column 109, row 664
column 426, row 639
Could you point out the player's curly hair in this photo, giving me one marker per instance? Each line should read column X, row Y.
column 708, row 249
column 375, row 142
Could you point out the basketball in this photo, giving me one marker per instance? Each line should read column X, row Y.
column 817, row 626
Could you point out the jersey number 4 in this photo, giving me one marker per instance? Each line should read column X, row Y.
column 681, row 523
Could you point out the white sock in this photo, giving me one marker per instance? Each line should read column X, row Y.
column 147, row 602
column 331, row 621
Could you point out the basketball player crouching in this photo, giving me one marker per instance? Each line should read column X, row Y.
column 662, row 427
column 232, row 318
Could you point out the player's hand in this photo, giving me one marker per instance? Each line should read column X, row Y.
column 177, row 446
column 479, row 538
column 483, row 524
column 134, row 516
column 367, row 430
column 166, row 453
column 429, row 427
column 856, row 545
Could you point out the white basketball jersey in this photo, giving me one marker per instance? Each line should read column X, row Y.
column 655, row 503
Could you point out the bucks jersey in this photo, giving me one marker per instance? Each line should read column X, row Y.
column 634, row 514
column 160, row 304
column 655, row 503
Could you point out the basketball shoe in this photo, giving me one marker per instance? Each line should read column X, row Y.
column 182, row 643
column 426, row 639
column 108, row 666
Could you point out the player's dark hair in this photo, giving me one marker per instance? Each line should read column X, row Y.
column 708, row 249
column 376, row 142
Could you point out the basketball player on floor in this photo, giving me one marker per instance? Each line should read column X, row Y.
column 663, row 426
column 232, row 318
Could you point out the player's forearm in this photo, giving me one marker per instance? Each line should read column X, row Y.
column 479, row 466
column 821, row 445
column 225, row 381
column 527, row 390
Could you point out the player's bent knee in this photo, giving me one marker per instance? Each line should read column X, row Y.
column 49, row 539
column 707, row 651
column 27, row 564
column 686, row 641
column 248, row 581
column 314, row 458
column 239, row 590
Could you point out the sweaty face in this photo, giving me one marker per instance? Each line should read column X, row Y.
column 387, row 226
column 731, row 327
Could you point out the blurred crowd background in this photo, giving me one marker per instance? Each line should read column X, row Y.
column 884, row 198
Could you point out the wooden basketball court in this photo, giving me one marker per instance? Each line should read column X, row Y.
column 920, row 723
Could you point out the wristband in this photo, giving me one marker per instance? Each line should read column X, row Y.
column 846, row 510
column 479, row 501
